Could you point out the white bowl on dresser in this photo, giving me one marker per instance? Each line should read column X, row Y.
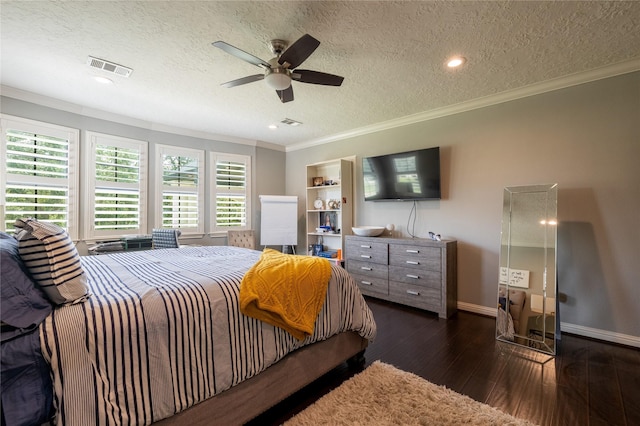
column 368, row 231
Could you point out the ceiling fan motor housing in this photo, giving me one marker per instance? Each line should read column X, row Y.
column 277, row 46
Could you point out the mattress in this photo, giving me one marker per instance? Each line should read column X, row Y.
column 162, row 331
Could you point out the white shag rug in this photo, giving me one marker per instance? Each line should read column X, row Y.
column 385, row 395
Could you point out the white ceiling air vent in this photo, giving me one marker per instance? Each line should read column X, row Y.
column 291, row 122
column 109, row 66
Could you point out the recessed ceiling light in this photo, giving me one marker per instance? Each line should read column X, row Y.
column 103, row 80
column 456, row 61
column 273, row 126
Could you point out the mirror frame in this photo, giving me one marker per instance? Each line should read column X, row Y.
column 528, row 268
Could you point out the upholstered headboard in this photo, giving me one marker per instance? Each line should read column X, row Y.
column 244, row 239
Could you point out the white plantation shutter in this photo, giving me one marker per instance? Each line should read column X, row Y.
column 38, row 177
column 181, row 172
column 116, row 189
column 232, row 191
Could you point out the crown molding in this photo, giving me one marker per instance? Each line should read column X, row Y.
column 498, row 98
column 270, row 145
column 613, row 70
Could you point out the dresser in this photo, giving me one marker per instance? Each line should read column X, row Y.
column 412, row 271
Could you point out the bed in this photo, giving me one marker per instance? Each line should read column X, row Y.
column 161, row 340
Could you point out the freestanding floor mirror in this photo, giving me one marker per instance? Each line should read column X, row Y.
column 527, row 287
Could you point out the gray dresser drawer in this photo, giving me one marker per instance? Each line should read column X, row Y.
column 416, row 296
column 417, row 277
column 367, row 268
column 415, row 256
column 367, row 251
column 372, row 286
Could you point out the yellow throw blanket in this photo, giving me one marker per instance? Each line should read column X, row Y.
column 286, row 291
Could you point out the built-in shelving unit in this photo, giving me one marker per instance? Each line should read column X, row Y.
column 329, row 204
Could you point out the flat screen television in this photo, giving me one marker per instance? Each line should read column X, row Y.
column 404, row 176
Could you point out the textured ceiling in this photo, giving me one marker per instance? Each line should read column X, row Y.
column 391, row 54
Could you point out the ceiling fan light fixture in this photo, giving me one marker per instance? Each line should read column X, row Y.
column 278, row 80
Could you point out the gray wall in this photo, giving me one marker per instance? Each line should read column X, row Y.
column 268, row 165
column 586, row 138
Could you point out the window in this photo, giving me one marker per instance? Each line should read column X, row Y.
column 179, row 176
column 38, row 173
column 116, row 188
column 231, row 195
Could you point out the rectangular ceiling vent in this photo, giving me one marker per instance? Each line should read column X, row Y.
column 109, row 66
column 291, row 122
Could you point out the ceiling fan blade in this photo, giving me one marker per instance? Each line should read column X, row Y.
column 241, row 54
column 317, row 77
column 243, row 80
column 285, row 95
column 299, row 51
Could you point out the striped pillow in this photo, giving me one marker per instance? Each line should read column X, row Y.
column 52, row 259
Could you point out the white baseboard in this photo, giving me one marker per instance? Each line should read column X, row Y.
column 478, row 309
column 594, row 333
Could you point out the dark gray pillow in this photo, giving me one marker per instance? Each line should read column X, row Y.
column 23, row 306
column 52, row 260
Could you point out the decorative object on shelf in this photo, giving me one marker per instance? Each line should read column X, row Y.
column 390, row 227
column 333, row 204
column 318, row 181
column 318, row 204
column 329, row 182
column 328, row 220
column 435, row 237
column 368, row 231
column 329, row 254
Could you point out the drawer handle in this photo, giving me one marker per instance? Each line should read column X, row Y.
column 412, row 262
column 365, row 268
column 413, row 251
column 366, row 256
column 364, row 246
column 366, row 282
column 413, row 292
column 415, row 277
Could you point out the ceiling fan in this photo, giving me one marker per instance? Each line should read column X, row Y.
column 279, row 71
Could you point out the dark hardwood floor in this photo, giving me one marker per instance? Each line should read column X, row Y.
column 588, row 382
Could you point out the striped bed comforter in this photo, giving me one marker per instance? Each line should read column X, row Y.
column 163, row 331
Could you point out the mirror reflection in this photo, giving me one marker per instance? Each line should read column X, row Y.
column 527, row 282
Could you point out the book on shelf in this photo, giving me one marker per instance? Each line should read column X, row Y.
column 329, row 254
